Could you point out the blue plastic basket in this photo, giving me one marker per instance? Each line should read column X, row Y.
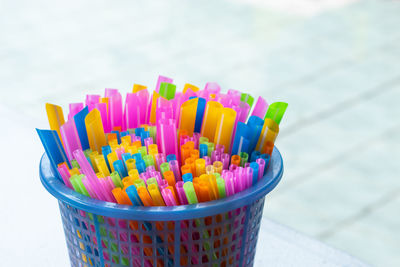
column 217, row 233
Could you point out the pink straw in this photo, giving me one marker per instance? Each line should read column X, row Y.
column 260, row 109
column 74, row 108
column 87, row 169
column 168, row 137
column 102, row 107
column 174, row 167
column 63, row 170
column 181, row 193
column 70, row 137
column 261, row 167
column 132, row 111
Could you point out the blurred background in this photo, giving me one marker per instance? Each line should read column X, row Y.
column 334, row 61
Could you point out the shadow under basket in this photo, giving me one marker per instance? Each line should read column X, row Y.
column 217, row 233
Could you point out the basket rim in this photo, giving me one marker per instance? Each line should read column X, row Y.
column 176, row 213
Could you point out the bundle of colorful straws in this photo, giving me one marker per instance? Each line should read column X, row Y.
column 170, row 148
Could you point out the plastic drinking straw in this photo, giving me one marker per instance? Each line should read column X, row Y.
column 164, row 167
column 171, row 157
column 168, row 137
column 138, row 87
column 188, row 86
column 70, row 138
column 200, row 166
column 209, row 169
column 162, row 184
column 119, row 168
column 261, row 167
column 218, row 166
column 53, row 148
column 152, row 180
column 130, row 164
column 169, row 176
column 256, row 124
column 269, row 133
column 140, row 165
column 244, row 157
column 91, row 100
column 190, row 162
column 132, row 111
column 187, row 177
column 246, row 98
column 149, row 160
column 139, row 183
column 55, row 116
column 74, row 108
column 241, row 142
column 260, row 109
column 201, row 105
column 203, row 150
column 121, row 196
column 174, row 167
column 143, row 104
column 167, row 90
column 254, row 155
column 95, row 131
column 101, row 165
column 276, row 111
column 115, row 108
column 181, row 193
column 229, row 184
column 88, row 187
column 212, row 112
column 79, row 120
column 223, row 131
column 244, row 111
column 76, row 186
column 152, row 108
column 106, row 190
column 111, row 157
column 116, row 178
column 63, row 170
column 221, row 187
column 235, row 160
column 155, row 195
column 255, row 167
column 187, row 116
column 134, row 174
column 190, row 193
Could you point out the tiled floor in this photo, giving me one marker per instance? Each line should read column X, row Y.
column 336, row 63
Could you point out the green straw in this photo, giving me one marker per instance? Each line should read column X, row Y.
column 167, row 90
column 152, row 180
column 164, row 167
column 138, row 183
column 143, row 151
column 75, row 164
column 275, row 111
column 148, row 160
column 244, row 157
column 221, row 187
column 116, row 179
column 247, row 99
column 203, row 140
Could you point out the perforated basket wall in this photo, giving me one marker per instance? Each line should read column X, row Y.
column 227, row 239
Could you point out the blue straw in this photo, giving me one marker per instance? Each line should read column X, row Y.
column 79, row 120
column 120, row 168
